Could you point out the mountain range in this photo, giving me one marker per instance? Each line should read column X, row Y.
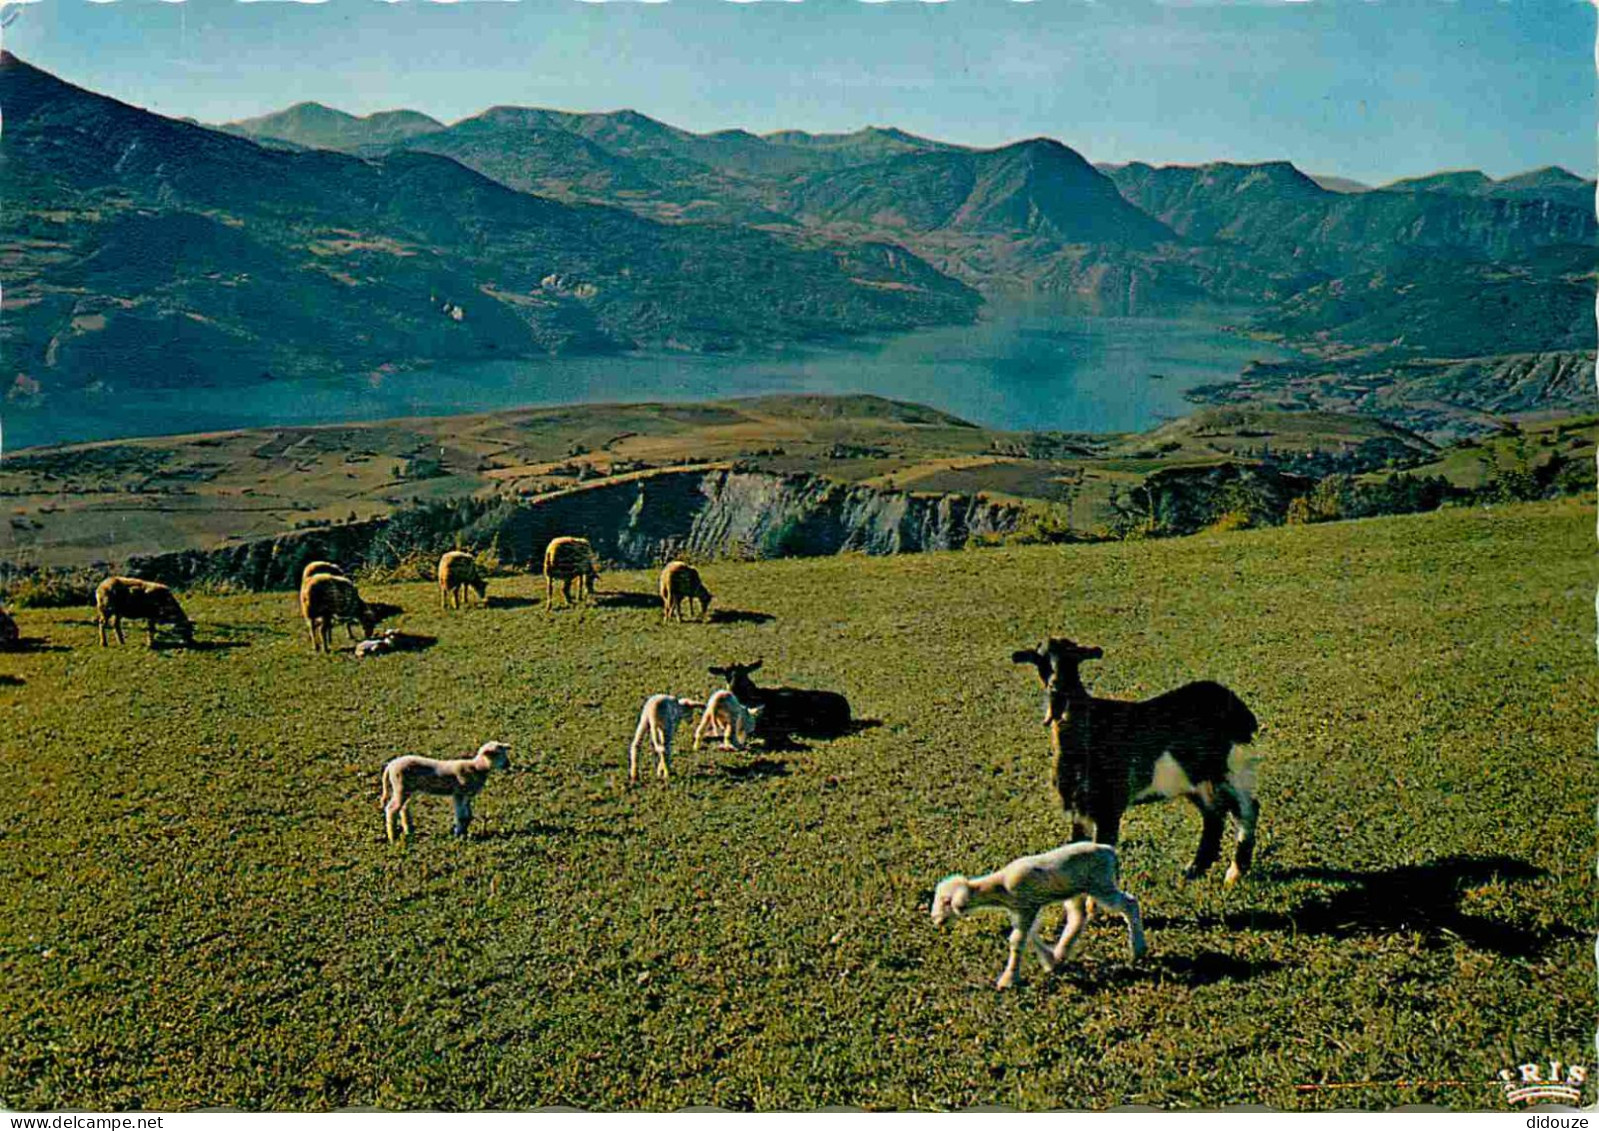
column 146, row 250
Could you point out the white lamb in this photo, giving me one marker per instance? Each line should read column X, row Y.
column 460, row 779
column 386, row 641
column 1026, row 885
column 659, row 720
column 728, row 719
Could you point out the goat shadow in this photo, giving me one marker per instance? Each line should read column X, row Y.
column 740, row 616
column 497, row 602
column 1420, row 898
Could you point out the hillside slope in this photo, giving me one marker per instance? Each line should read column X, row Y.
column 145, row 250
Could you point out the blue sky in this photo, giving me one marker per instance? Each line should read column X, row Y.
column 1369, row 90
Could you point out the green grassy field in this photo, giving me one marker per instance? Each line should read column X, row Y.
column 200, row 909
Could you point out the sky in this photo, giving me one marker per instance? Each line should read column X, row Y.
column 1368, row 89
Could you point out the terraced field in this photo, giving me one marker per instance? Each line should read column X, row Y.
column 199, row 907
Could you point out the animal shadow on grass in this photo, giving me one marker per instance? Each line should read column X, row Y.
column 12, row 681
column 532, row 828
column 626, row 600
column 1421, row 898
column 1191, row 970
column 740, row 616
column 783, row 741
column 35, row 644
column 173, row 645
column 856, row 726
column 757, row 770
column 511, row 602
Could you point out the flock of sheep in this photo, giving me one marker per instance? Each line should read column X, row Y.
column 1108, row 754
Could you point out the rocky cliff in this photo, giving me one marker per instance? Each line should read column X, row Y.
column 634, row 523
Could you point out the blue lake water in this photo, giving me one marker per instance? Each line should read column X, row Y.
column 1021, row 369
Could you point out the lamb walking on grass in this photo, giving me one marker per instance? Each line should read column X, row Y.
column 728, row 719
column 460, row 779
column 1022, row 888
column 659, row 720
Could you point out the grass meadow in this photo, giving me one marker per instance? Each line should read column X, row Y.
column 198, row 907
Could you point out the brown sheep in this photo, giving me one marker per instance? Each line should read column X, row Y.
column 149, row 601
column 680, row 585
column 568, row 559
column 10, row 635
column 458, row 572
column 317, row 569
column 313, row 568
column 325, row 599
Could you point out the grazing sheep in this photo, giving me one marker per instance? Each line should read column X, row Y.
column 458, row 572
column 789, row 710
column 680, row 585
column 460, row 779
column 149, row 601
column 325, row 599
column 568, row 559
column 1110, row 753
column 313, row 568
column 10, row 635
column 659, row 720
column 1022, row 888
column 317, row 569
column 728, row 719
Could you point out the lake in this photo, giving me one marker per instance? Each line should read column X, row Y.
column 1031, row 368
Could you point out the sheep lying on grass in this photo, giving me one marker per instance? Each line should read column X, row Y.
column 386, row 641
column 681, row 586
column 460, row 779
column 459, row 572
column 149, row 601
column 659, row 719
column 728, row 719
column 1027, row 884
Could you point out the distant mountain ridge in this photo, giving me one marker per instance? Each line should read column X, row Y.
column 315, row 126
column 154, row 250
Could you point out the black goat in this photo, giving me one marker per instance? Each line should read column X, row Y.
column 1110, row 753
column 788, row 710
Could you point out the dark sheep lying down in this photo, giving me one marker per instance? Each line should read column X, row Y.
column 788, row 710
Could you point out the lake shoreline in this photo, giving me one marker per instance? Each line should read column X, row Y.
column 1020, row 369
